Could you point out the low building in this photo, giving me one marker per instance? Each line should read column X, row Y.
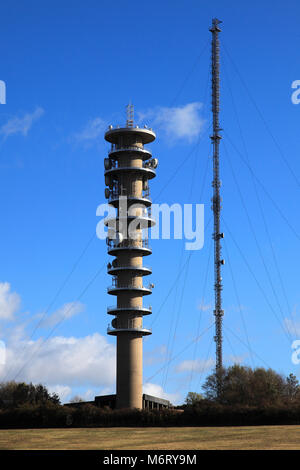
column 109, row 401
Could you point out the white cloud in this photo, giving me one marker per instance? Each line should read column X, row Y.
column 63, row 361
column 21, row 125
column 89, row 395
column 91, row 133
column 201, row 365
column 177, row 123
column 197, row 365
column 157, row 391
column 9, row 302
column 156, row 356
column 62, row 391
column 293, row 326
column 83, row 366
column 60, row 363
column 67, row 311
column 204, row 307
column 236, row 359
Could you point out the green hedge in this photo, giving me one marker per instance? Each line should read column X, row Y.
column 202, row 414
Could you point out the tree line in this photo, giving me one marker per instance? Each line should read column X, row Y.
column 248, row 387
column 13, row 394
column 248, row 397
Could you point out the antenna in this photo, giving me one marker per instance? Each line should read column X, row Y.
column 216, row 199
column 130, row 115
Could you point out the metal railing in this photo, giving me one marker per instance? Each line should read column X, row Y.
column 129, row 325
column 115, row 164
column 128, row 243
column 140, row 266
column 146, row 210
column 116, row 147
column 116, row 193
column 123, row 285
column 115, row 307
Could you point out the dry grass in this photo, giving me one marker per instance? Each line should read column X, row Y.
column 248, row 437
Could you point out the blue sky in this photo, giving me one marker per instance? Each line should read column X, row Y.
column 70, row 68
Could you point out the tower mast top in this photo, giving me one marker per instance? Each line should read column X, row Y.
column 215, row 27
column 130, row 115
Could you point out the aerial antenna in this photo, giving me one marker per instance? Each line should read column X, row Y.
column 216, row 200
column 130, row 115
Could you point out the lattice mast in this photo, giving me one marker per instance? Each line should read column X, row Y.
column 216, row 200
column 130, row 115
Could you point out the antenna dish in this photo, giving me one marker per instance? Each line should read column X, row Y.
column 119, row 238
column 107, row 163
column 154, row 162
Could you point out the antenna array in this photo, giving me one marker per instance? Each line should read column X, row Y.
column 130, row 115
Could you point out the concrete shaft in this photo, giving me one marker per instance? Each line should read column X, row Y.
column 129, row 370
column 128, row 176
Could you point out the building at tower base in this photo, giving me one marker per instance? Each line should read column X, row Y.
column 149, row 402
column 109, row 401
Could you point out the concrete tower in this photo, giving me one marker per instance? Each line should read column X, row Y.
column 128, row 169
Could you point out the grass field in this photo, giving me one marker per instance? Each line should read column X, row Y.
column 248, row 437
